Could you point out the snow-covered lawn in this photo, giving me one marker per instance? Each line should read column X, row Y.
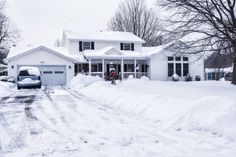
column 6, row 88
column 135, row 118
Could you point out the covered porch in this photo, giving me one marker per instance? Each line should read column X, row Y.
column 124, row 67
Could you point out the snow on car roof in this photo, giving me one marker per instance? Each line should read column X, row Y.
column 31, row 70
column 103, row 36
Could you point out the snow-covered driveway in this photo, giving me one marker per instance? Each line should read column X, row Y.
column 55, row 121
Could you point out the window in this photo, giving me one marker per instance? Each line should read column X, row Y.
column 97, row 67
column 170, row 69
column 59, row 72
column 178, row 69
column 144, row 68
column 86, row 46
column 129, row 68
column 127, row 46
column 47, row 72
column 185, row 69
column 24, row 73
column 178, row 58
column 170, row 58
column 185, row 58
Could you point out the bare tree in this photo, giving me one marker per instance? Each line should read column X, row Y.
column 208, row 25
column 8, row 34
column 134, row 16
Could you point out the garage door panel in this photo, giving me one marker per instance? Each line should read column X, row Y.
column 52, row 74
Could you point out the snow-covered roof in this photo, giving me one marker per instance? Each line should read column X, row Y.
column 103, row 36
column 61, row 51
column 156, row 49
column 113, row 53
column 3, row 65
column 227, row 70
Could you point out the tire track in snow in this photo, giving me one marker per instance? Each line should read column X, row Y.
column 16, row 140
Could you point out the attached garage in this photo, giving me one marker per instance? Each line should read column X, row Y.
column 55, row 67
column 51, row 74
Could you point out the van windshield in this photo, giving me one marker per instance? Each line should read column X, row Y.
column 25, row 73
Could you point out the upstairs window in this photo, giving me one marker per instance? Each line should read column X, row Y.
column 178, row 58
column 170, row 58
column 185, row 58
column 84, row 45
column 127, row 46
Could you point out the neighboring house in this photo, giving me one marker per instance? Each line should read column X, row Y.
column 93, row 53
column 3, row 69
column 218, row 73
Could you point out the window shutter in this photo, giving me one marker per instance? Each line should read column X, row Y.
column 80, row 46
column 121, row 46
column 92, row 45
column 132, row 46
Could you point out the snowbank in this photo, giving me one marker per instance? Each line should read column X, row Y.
column 206, row 107
column 6, row 88
column 81, row 81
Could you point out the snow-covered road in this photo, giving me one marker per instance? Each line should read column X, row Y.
column 55, row 121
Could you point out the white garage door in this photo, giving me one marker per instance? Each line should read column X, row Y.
column 52, row 74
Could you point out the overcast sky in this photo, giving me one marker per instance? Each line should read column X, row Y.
column 42, row 21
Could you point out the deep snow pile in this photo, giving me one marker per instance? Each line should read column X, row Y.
column 6, row 88
column 81, row 81
column 205, row 107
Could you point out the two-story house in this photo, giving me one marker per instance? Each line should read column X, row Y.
column 93, row 54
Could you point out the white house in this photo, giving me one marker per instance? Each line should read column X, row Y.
column 92, row 53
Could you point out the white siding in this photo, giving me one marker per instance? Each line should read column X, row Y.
column 159, row 67
column 41, row 57
column 73, row 45
column 196, row 67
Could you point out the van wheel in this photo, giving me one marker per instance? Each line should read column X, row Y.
column 39, row 86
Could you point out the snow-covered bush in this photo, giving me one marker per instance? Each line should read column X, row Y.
column 188, row 78
column 144, row 78
column 197, row 78
column 175, row 77
column 130, row 77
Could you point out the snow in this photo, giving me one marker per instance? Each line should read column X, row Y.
column 31, row 70
column 6, row 89
column 113, row 53
column 103, row 36
column 81, row 81
column 199, row 108
column 91, row 117
column 227, row 70
column 62, row 51
column 28, row 81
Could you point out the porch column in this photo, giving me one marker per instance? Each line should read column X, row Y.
column 103, row 68
column 135, row 62
column 90, row 67
column 122, row 69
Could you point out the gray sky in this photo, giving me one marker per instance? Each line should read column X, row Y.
column 42, row 21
